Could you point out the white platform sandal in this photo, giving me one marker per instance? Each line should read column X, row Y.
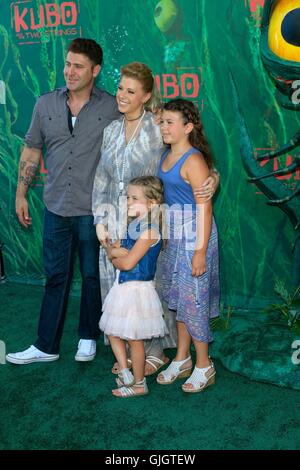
column 174, row 372
column 127, row 392
column 125, row 377
column 200, row 379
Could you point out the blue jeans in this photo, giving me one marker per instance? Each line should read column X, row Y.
column 63, row 237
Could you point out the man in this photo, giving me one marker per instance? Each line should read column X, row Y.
column 69, row 122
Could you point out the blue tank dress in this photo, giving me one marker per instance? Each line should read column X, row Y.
column 195, row 299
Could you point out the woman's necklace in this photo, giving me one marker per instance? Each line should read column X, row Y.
column 135, row 119
column 129, row 146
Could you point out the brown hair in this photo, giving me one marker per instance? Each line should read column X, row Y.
column 88, row 47
column 191, row 114
column 143, row 74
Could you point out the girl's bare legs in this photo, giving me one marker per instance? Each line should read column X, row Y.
column 137, row 354
column 183, row 348
column 115, row 369
column 184, row 344
column 202, row 360
column 154, row 348
column 119, row 349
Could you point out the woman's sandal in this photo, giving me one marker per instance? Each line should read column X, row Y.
column 125, row 377
column 156, row 363
column 127, row 392
column 174, row 372
column 200, row 379
column 115, row 369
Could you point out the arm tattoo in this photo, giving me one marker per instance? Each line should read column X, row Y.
column 30, row 170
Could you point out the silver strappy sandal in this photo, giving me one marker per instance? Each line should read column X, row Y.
column 127, row 392
column 125, row 377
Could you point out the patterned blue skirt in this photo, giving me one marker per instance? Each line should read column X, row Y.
column 195, row 299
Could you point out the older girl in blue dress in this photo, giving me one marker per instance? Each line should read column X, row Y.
column 132, row 311
column 190, row 266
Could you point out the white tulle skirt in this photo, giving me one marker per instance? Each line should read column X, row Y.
column 132, row 310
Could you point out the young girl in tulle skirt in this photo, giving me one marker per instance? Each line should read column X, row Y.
column 132, row 311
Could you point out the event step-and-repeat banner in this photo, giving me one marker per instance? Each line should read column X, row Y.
column 191, row 46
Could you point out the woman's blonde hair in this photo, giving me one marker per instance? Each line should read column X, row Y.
column 144, row 75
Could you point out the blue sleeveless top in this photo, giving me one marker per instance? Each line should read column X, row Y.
column 176, row 190
column 145, row 269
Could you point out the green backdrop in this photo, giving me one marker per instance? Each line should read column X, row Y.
column 191, row 59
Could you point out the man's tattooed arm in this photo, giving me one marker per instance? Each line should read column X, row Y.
column 28, row 166
column 27, row 172
column 29, row 163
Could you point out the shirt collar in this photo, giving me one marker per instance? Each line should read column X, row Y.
column 95, row 91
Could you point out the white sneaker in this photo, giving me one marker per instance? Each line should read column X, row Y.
column 32, row 354
column 86, row 350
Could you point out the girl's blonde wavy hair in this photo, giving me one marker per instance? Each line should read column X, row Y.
column 154, row 191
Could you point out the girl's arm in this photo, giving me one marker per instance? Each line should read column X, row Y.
column 114, row 250
column 118, row 252
column 196, row 171
column 139, row 249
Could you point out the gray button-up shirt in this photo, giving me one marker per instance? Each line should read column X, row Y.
column 71, row 157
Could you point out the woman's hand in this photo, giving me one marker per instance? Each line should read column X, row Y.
column 198, row 263
column 102, row 235
column 209, row 187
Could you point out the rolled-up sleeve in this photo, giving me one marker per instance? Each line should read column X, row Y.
column 34, row 136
